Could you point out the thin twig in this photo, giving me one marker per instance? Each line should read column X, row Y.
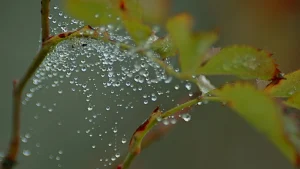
column 18, row 87
column 140, row 133
column 45, row 19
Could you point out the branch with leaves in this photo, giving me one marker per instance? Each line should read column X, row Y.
column 259, row 107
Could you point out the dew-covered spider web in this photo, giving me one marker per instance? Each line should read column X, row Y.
column 88, row 97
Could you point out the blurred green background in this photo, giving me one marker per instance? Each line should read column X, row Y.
column 215, row 138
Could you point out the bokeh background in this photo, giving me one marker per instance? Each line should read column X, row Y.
column 215, row 138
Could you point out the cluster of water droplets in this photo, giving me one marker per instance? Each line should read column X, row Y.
column 106, row 91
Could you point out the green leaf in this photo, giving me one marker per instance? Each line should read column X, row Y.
column 294, row 101
column 242, row 61
column 285, row 87
column 99, row 12
column 260, row 111
column 192, row 47
column 164, row 47
column 93, row 12
column 139, row 32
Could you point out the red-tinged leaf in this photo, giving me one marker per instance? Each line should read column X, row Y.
column 242, row 61
column 286, row 86
column 192, row 46
column 261, row 111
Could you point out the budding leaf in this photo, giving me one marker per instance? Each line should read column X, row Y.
column 192, row 46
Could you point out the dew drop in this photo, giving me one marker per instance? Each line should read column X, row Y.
column 90, row 108
column 186, row 117
column 118, row 155
column 26, row 153
column 153, row 97
column 145, row 101
column 113, row 158
column 123, row 140
column 188, row 86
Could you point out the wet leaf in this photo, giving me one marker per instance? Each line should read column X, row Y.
column 97, row 12
column 285, row 87
column 242, row 61
column 93, row 12
column 139, row 32
column 164, row 47
column 259, row 110
column 294, row 101
column 192, row 47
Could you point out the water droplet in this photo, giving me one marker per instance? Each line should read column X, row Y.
column 188, row 86
column 83, row 69
column 173, row 121
column 93, row 146
column 145, row 101
column 90, row 108
column 153, row 97
column 107, row 108
column 123, row 140
column 24, row 140
column 166, row 122
column 113, row 158
column 27, row 135
column 186, row 117
column 118, row 155
column 26, row 153
column 159, row 119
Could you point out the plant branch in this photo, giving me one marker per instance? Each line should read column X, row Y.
column 18, row 87
column 45, row 8
column 141, row 132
